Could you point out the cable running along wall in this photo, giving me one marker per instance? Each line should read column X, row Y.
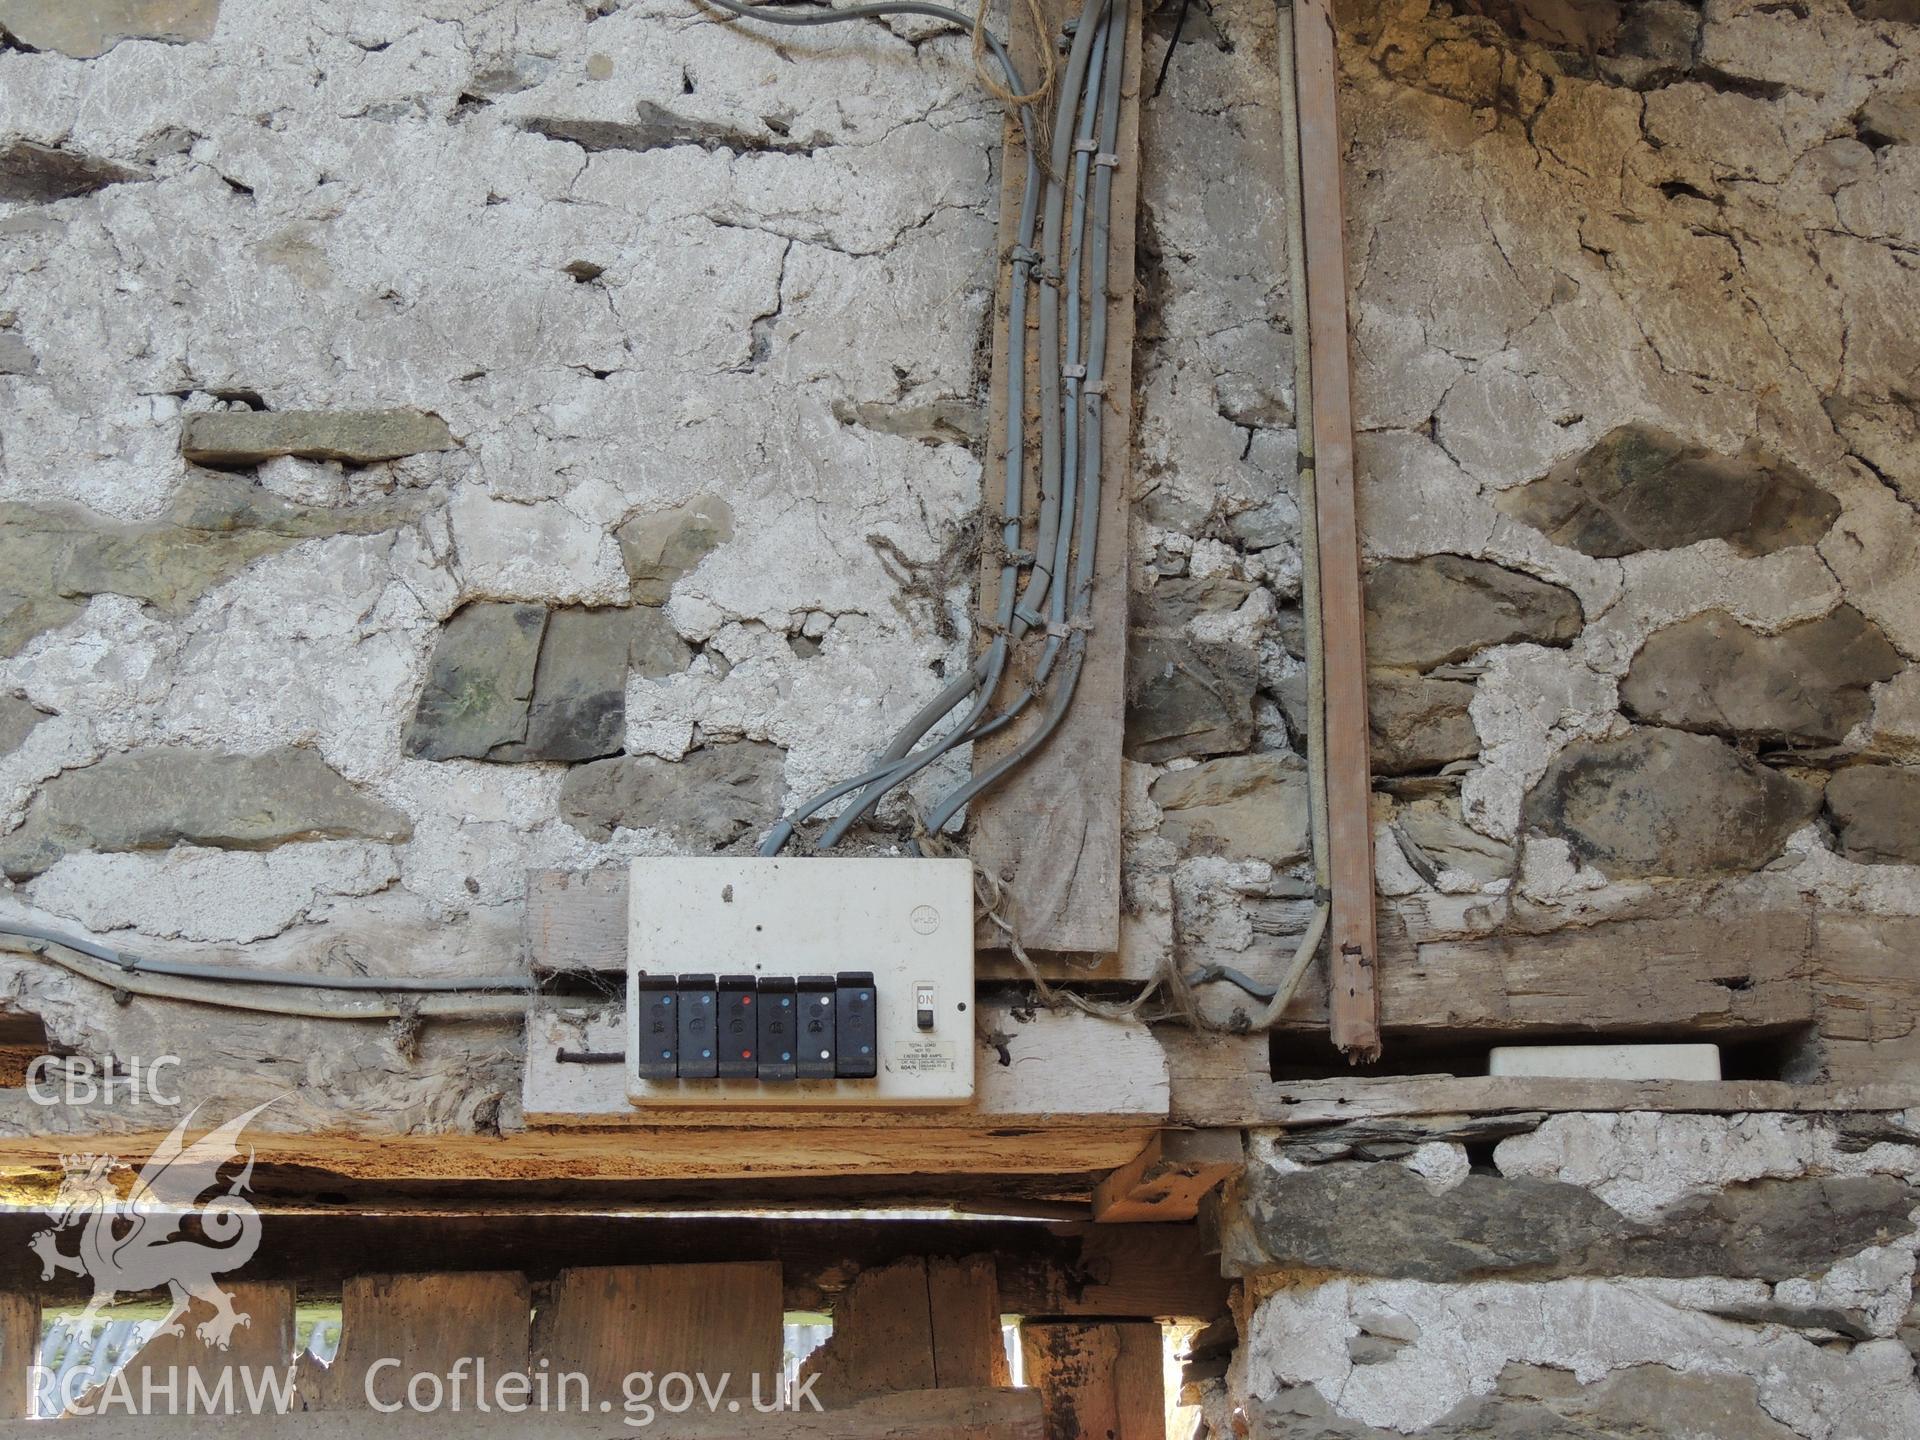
column 1044, row 593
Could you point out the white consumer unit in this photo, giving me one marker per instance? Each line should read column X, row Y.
column 756, row 983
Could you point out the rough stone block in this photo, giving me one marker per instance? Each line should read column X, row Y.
column 157, row 799
column 1665, row 802
column 1418, row 723
column 1641, row 488
column 1423, row 613
column 356, row 437
column 712, row 798
column 33, row 174
column 1808, row 685
column 481, row 684
column 1876, row 813
column 1251, row 807
column 86, row 28
column 661, row 547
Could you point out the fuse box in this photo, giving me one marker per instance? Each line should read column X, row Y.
column 758, row 983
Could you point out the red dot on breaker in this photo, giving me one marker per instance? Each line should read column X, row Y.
column 746, row 999
column 746, row 1054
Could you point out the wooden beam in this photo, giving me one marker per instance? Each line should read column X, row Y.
column 171, row 1364
column 918, row 1415
column 722, row 1321
column 1051, row 830
column 1167, row 1180
column 19, row 1346
column 1063, row 1269
column 882, row 1337
column 1355, row 949
column 428, row 1322
column 1103, row 1381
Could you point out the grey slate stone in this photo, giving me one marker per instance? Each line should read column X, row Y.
column 711, row 798
column 1433, row 837
column 1251, row 807
column 481, row 683
column 156, row 799
column 357, row 437
column 1418, row 723
column 1875, row 811
column 33, row 174
column 1423, row 613
column 86, row 28
column 661, row 547
column 1381, row 1219
column 579, row 705
column 1808, row 685
column 1665, row 802
column 17, row 719
column 1187, row 697
column 1640, row 489
column 517, row 682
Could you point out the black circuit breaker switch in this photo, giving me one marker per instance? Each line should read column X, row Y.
column 814, row 997
column 697, row 999
column 659, row 1028
column 856, row 1026
column 739, row 1028
column 779, row 1030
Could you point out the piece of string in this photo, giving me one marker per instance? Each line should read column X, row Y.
column 987, row 68
column 1176, row 999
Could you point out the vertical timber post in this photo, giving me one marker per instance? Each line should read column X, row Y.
column 1353, row 991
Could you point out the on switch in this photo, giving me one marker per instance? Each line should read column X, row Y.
column 923, row 1007
column 697, row 999
column 779, row 1029
column 739, row 1033
column 815, row 999
column 659, row 1029
column 856, row 1026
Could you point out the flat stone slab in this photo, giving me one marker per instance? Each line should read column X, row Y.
column 357, row 437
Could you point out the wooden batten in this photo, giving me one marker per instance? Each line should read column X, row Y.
column 1051, row 830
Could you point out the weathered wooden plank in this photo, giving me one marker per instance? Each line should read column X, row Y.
column 1867, row 985
column 882, row 1338
column 1355, row 948
column 1167, row 1180
column 963, row 1296
column 1098, row 1380
column 427, row 1322
column 719, row 1321
column 174, row 1364
column 1052, row 829
column 1033, row 1066
column 920, row 1415
column 19, row 1347
column 1062, row 1268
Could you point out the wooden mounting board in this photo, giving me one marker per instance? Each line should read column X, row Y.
column 1051, row 830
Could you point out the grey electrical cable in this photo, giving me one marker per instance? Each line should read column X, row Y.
column 249, row 975
column 320, row 1005
column 983, row 677
column 1315, row 639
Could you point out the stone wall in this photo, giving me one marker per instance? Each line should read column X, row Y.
column 1639, row 460
column 439, row 443
column 1609, row 1276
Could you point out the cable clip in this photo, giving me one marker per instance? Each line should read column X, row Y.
column 1049, row 275
column 1023, row 255
column 1108, row 158
column 1086, row 146
column 1095, row 388
column 1029, row 615
column 1073, row 372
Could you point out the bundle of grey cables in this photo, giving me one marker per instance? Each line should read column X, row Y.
column 1045, row 592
